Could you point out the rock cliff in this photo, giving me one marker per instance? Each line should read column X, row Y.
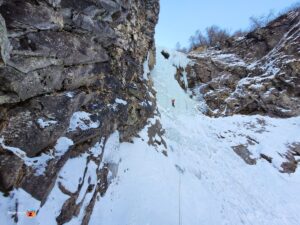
column 71, row 73
column 255, row 74
column 258, row 74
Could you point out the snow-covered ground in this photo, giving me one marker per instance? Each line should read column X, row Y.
column 202, row 181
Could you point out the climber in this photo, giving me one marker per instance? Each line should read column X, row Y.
column 173, row 102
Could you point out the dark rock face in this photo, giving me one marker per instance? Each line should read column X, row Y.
column 165, row 54
column 180, row 77
column 154, row 131
column 9, row 179
column 61, row 57
column 256, row 74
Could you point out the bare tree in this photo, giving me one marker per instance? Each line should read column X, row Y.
column 202, row 40
column 239, row 33
column 261, row 21
column 215, row 36
column 179, row 48
column 193, row 41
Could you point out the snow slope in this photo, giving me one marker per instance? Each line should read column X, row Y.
column 202, row 181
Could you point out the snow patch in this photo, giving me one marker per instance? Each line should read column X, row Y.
column 112, row 146
column 96, row 150
column 70, row 94
column 146, row 68
column 81, row 120
column 120, row 101
column 25, row 203
column 62, row 146
column 72, row 172
column 45, row 123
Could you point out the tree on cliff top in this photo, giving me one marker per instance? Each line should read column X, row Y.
column 212, row 37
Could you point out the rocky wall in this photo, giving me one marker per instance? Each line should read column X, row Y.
column 64, row 62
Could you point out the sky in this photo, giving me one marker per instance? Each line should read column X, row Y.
column 179, row 19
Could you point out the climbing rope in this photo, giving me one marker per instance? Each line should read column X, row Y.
column 179, row 200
